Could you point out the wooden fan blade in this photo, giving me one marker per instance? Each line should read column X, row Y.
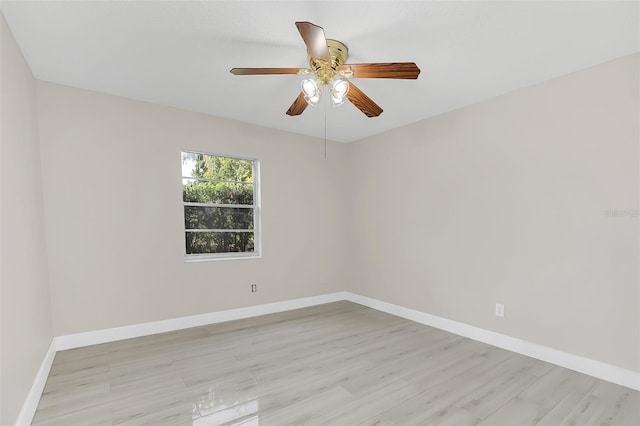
column 258, row 71
column 298, row 106
column 362, row 101
column 315, row 40
column 407, row 70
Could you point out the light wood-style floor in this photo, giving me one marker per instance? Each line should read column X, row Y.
column 335, row 364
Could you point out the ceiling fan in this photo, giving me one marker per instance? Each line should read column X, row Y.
column 327, row 59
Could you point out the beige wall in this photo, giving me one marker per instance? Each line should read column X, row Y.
column 505, row 201
column 111, row 169
column 26, row 315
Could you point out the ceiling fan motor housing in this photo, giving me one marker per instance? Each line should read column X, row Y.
column 325, row 71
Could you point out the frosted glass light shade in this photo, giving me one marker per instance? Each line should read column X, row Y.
column 312, row 100
column 311, row 90
column 339, row 90
column 310, row 87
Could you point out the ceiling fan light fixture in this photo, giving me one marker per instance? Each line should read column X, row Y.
column 312, row 100
column 336, row 102
column 339, row 90
column 339, row 86
column 310, row 87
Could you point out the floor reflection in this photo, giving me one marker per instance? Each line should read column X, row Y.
column 245, row 413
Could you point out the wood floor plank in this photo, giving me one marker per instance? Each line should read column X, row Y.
column 338, row 364
column 604, row 404
column 440, row 394
column 530, row 406
column 516, row 412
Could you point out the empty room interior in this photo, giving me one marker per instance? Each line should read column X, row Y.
column 320, row 213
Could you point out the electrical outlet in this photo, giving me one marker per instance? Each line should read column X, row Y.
column 254, row 288
column 499, row 310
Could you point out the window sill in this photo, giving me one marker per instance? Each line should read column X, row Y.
column 193, row 259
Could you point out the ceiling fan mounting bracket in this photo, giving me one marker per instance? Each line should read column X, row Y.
column 325, row 71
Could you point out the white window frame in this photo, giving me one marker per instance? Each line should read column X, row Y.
column 257, row 237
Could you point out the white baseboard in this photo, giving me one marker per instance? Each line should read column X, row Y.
column 25, row 417
column 601, row 370
column 71, row 341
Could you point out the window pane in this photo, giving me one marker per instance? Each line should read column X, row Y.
column 219, row 242
column 217, row 192
column 217, row 218
column 216, row 167
column 188, row 163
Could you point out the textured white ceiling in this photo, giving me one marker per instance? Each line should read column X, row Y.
column 179, row 53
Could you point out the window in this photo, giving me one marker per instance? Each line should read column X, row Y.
column 219, row 196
